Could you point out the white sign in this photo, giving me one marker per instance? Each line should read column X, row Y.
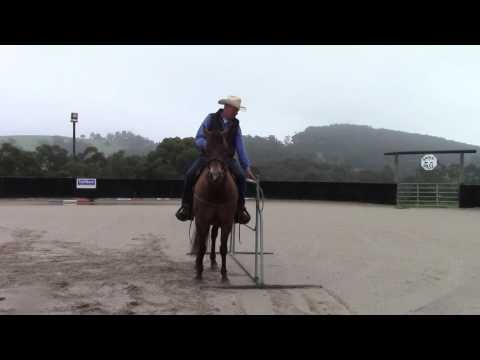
column 429, row 162
column 86, row 183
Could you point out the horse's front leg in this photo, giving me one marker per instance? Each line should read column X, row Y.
column 226, row 229
column 201, row 240
column 213, row 261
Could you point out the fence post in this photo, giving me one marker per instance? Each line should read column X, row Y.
column 395, row 171
column 462, row 168
column 418, row 195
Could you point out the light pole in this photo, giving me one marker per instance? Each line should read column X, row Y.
column 74, row 120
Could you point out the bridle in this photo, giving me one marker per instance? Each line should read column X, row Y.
column 216, row 159
column 222, row 163
column 225, row 169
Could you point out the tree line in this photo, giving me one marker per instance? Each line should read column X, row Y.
column 272, row 160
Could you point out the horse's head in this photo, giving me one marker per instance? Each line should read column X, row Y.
column 217, row 153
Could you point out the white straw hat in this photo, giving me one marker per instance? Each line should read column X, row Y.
column 234, row 101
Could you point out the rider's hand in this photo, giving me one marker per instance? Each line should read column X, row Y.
column 250, row 174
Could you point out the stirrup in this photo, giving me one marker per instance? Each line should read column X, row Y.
column 242, row 217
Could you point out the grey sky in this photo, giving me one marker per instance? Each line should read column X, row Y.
column 165, row 91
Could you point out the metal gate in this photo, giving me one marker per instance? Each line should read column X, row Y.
column 258, row 273
column 438, row 195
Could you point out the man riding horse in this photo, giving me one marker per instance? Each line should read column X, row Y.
column 222, row 119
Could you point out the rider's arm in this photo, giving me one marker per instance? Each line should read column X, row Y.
column 200, row 139
column 242, row 154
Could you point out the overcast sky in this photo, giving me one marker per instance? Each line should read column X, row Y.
column 166, row 91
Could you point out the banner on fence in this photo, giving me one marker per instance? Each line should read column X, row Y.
column 86, row 183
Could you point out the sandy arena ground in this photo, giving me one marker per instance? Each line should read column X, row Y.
column 131, row 259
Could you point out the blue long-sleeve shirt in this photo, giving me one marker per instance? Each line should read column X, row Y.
column 201, row 142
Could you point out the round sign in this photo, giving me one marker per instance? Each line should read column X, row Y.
column 429, row 162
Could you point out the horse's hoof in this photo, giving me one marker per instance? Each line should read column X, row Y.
column 198, row 278
column 225, row 279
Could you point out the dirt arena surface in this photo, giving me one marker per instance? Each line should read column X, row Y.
column 114, row 258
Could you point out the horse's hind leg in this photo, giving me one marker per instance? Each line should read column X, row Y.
column 201, row 240
column 226, row 229
column 213, row 261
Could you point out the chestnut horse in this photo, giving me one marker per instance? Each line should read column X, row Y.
column 215, row 199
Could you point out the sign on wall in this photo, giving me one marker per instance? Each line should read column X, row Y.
column 429, row 162
column 86, row 183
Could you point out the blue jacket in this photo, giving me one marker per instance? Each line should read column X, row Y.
column 201, row 141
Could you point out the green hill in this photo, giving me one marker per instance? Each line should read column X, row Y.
column 352, row 148
column 364, row 146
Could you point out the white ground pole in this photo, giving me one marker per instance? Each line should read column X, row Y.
column 258, row 276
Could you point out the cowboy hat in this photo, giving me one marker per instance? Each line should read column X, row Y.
column 234, row 101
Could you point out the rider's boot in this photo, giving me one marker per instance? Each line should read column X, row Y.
column 185, row 212
column 242, row 216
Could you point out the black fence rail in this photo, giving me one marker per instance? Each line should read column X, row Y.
column 357, row 192
column 469, row 196
column 376, row 193
column 26, row 187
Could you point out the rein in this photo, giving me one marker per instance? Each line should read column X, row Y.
column 211, row 203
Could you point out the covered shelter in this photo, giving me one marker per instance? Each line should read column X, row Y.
column 429, row 194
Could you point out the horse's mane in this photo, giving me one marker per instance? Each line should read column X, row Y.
column 216, row 142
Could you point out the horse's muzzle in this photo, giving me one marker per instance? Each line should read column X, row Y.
column 215, row 176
